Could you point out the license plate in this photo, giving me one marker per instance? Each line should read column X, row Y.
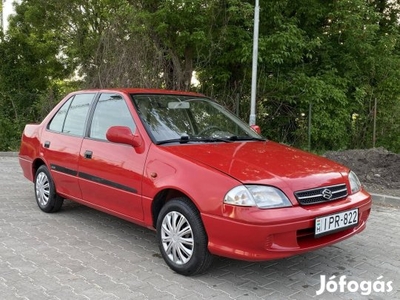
column 336, row 222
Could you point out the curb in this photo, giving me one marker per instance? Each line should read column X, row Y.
column 385, row 200
column 8, row 154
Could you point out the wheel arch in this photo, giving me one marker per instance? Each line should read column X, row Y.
column 162, row 198
column 36, row 164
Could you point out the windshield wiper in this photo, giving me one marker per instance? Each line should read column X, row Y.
column 229, row 139
column 184, row 139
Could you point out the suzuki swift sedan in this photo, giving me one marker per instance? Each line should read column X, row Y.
column 181, row 164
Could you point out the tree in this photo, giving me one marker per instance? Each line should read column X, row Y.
column 336, row 57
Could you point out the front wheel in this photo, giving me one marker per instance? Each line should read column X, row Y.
column 182, row 237
column 45, row 191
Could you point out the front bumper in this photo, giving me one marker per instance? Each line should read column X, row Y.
column 252, row 234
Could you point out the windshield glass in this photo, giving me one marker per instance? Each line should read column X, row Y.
column 186, row 118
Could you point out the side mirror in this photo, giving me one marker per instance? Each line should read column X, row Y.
column 123, row 135
column 256, row 128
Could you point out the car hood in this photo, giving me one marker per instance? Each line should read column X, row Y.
column 265, row 163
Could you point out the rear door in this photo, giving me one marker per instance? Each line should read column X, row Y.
column 110, row 174
column 61, row 142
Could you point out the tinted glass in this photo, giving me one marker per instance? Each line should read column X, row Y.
column 111, row 110
column 57, row 123
column 77, row 113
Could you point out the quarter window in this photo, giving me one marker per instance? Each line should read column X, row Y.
column 71, row 117
column 57, row 123
column 111, row 110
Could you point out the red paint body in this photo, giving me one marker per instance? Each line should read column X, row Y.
column 202, row 172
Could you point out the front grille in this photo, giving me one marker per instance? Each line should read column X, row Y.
column 321, row 194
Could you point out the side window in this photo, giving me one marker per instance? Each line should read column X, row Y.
column 57, row 123
column 77, row 113
column 111, row 110
column 71, row 117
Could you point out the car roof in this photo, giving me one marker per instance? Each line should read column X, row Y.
column 140, row 91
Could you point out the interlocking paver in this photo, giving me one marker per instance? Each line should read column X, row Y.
column 80, row 253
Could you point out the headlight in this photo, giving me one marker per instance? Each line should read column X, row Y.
column 355, row 184
column 257, row 195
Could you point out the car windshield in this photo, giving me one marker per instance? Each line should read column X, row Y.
column 176, row 118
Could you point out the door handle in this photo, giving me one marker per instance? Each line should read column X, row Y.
column 88, row 154
column 46, row 144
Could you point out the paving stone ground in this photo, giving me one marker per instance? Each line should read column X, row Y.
column 80, row 253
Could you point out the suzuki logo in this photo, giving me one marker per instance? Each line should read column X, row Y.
column 327, row 194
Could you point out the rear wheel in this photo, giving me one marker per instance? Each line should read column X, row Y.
column 45, row 192
column 182, row 238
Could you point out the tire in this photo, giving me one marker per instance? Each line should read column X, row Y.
column 45, row 191
column 186, row 253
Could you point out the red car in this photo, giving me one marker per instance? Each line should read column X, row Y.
column 183, row 165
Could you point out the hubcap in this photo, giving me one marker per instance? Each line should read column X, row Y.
column 42, row 189
column 177, row 238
